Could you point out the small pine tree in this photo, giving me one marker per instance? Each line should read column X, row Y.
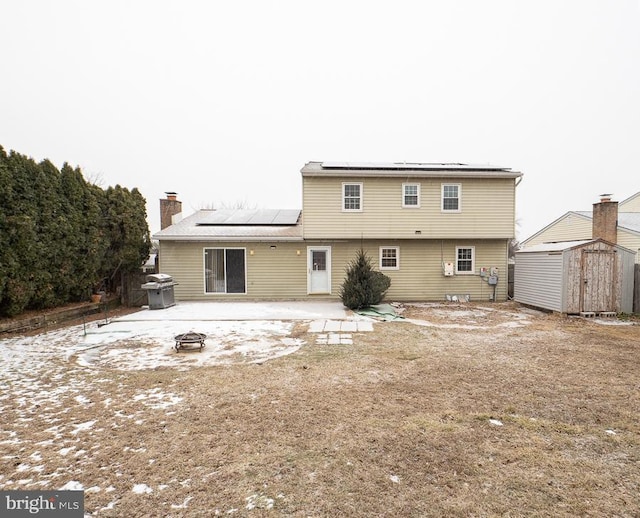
column 363, row 286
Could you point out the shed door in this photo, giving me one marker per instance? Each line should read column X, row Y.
column 598, row 280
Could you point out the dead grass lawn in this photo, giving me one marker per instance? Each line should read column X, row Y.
column 405, row 422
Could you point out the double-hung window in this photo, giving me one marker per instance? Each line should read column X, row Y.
column 451, row 193
column 352, row 197
column 224, row 270
column 389, row 258
column 465, row 258
column 411, row 195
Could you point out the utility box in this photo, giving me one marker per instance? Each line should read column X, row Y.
column 159, row 288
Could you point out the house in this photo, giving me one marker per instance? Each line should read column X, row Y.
column 437, row 230
column 576, row 277
column 578, row 225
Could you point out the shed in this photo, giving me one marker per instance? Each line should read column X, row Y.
column 590, row 276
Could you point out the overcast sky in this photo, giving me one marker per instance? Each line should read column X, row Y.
column 224, row 102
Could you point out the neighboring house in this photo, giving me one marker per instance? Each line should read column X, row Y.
column 436, row 230
column 578, row 225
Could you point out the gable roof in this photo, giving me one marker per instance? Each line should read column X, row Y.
column 630, row 198
column 236, row 225
column 553, row 247
column 627, row 221
column 407, row 169
column 585, row 215
column 561, row 246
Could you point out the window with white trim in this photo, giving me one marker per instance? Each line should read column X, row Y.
column 465, row 259
column 225, row 270
column 352, row 197
column 411, row 195
column 389, row 258
column 451, row 193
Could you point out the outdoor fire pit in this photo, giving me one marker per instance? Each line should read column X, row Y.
column 190, row 340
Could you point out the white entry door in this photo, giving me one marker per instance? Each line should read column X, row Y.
column 319, row 269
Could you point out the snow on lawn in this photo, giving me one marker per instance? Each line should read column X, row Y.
column 55, row 408
column 58, row 402
column 134, row 345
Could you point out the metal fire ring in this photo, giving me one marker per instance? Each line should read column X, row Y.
column 190, row 339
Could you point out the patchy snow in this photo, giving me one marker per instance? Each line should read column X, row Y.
column 58, row 379
column 611, row 322
column 183, row 505
column 259, row 501
column 448, row 316
column 141, row 489
column 496, row 422
column 72, row 485
column 136, row 345
column 82, row 427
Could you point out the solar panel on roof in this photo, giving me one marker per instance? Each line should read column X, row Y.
column 263, row 217
column 410, row 165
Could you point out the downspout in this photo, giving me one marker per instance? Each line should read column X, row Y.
column 509, row 241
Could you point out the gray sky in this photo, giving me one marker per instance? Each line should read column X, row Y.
column 224, row 102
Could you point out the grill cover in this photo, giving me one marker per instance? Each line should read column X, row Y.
column 159, row 277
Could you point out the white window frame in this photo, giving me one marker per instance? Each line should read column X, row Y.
column 404, row 195
column 473, row 260
column 397, row 257
column 344, row 197
column 442, row 198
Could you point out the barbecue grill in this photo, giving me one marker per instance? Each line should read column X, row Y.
column 159, row 288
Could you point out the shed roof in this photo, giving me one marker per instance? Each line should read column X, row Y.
column 561, row 246
column 236, row 225
column 404, row 169
column 553, row 247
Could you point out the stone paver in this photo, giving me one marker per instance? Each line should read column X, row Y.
column 332, row 326
column 338, row 332
column 336, row 326
column 349, row 326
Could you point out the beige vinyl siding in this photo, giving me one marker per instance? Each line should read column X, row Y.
column 278, row 273
column 420, row 276
column 631, row 204
column 487, row 209
column 571, row 228
column 281, row 273
column 630, row 241
column 574, row 228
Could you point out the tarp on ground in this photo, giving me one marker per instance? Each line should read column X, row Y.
column 384, row 312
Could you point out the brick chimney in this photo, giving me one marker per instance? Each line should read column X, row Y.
column 605, row 219
column 169, row 207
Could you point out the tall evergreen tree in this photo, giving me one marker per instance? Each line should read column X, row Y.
column 126, row 231
column 61, row 236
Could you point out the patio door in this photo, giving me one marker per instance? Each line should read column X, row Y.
column 319, row 269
